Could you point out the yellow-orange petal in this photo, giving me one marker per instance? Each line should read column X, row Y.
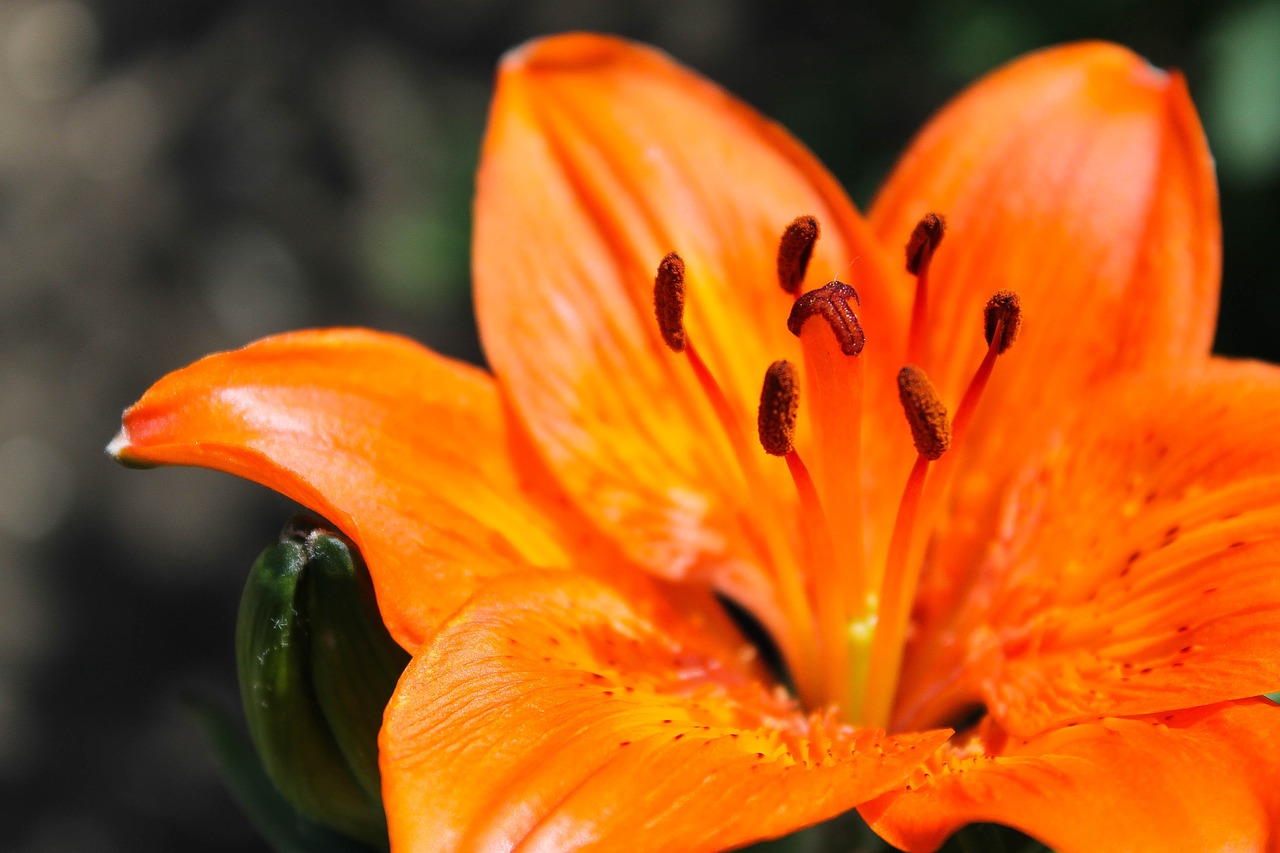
column 409, row 453
column 553, row 713
column 601, row 157
column 1193, row 780
column 1079, row 178
column 1136, row 570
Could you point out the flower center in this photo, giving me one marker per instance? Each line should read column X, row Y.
column 849, row 613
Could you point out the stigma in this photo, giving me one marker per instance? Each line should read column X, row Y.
column 845, row 589
column 834, row 302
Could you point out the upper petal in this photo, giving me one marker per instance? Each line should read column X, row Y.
column 1080, row 178
column 1134, row 571
column 601, row 157
column 1200, row 779
column 555, row 714
column 409, row 453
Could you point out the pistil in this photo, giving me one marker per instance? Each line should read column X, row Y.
column 835, row 377
column 831, row 338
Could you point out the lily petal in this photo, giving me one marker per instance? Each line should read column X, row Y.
column 554, row 713
column 601, row 157
column 409, row 453
column 1200, row 779
column 1136, row 571
column 1080, row 178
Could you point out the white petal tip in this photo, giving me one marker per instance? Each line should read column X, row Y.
column 118, row 444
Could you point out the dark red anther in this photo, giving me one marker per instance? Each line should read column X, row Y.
column 930, row 427
column 779, row 405
column 1003, row 311
column 924, row 241
column 668, row 301
column 794, row 251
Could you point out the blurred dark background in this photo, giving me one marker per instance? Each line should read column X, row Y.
column 183, row 177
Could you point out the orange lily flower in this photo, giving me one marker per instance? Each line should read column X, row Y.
column 1055, row 610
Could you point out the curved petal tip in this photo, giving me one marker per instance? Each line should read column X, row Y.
column 118, row 449
column 119, row 444
column 568, row 51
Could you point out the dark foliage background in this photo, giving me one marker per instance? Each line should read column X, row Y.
column 182, row 177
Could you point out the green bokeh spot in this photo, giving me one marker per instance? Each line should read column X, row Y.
column 1241, row 98
column 971, row 38
column 417, row 261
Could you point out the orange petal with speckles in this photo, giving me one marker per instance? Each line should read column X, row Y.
column 1137, row 568
column 1200, row 779
column 553, row 713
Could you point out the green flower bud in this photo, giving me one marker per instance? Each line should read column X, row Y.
column 317, row 668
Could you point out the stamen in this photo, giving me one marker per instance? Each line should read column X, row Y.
column 824, row 568
column 779, row 404
column 801, row 649
column 794, row 251
column 931, row 433
column 668, row 301
column 799, row 645
column 930, row 429
column 897, row 591
column 924, row 241
column 1001, row 323
column 831, row 303
column 1003, row 312
column 1002, row 320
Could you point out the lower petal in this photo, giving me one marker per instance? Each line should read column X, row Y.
column 554, row 713
column 1200, row 779
column 1134, row 568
